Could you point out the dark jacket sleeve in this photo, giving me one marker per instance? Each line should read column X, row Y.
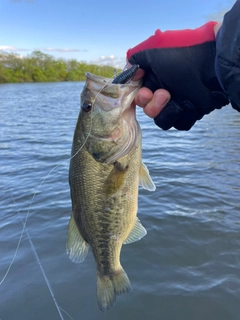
column 227, row 63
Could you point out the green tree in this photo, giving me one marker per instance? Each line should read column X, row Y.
column 41, row 67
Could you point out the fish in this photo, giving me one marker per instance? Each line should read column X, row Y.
column 105, row 172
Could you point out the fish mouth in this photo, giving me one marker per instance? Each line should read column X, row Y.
column 102, row 83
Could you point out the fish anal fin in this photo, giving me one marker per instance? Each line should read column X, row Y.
column 77, row 247
column 108, row 286
column 145, row 180
column 137, row 233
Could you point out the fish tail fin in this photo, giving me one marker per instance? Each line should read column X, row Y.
column 121, row 282
column 105, row 292
column 108, row 286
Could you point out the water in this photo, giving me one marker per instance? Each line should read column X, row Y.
column 188, row 265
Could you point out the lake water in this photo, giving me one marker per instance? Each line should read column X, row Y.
column 188, row 265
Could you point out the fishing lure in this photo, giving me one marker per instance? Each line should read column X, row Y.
column 126, row 75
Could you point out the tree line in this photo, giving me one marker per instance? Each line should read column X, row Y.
column 41, row 67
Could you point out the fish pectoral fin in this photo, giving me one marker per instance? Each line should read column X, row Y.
column 115, row 178
column 137, row 233
column 145, row 180
column 77, row 247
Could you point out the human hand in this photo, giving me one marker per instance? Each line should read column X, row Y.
column 151, row 102
column 179, row 81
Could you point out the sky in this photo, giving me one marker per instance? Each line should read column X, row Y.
column 95, row 31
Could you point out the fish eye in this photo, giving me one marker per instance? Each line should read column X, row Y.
column 86, row 107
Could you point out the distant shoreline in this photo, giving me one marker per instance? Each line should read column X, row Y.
column 41, row 67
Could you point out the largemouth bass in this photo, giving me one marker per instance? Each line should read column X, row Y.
column 105, row 172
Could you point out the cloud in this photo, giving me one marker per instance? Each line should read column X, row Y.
column 11, row 48
column 62, row 50
column 110, row 61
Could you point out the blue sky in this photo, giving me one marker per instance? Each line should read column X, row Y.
column 98, row 31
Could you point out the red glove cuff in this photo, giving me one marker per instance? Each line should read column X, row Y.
column 174, row 39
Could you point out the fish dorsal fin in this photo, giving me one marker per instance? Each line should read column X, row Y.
column 137, row 233
column 145, row 180
column 77, row 247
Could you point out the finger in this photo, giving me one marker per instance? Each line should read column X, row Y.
column 157, row 103
column 143, row 97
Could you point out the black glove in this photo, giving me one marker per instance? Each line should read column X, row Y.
column 182, row 62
